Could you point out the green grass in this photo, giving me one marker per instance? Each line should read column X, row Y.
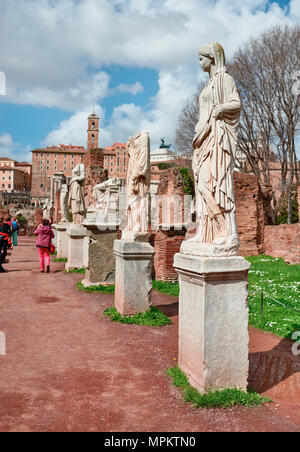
column 274, row 277
column 96, row 289
column 61, row 259
column 169, row 288
column 281, row 281
column 152, row 317
column 76, row 270
column 226, row 398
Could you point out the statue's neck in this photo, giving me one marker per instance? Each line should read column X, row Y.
column 212, row 71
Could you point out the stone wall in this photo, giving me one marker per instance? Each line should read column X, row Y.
column 166, row 245
column 283, row 241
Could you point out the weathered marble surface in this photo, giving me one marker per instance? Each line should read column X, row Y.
column 213, row 321
column 214, row 153
column 78, row 243
column 76, row 194
column 101, row 268
column 137, row 186
column 134, row 264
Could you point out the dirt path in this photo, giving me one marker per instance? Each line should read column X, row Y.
column 68, row 368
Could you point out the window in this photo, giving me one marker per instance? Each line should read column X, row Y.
column 36, row 155
column 93, row 125
column 42, row 185
column 93, row 138
column 9, row 186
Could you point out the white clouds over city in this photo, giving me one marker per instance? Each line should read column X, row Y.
column 57, row 51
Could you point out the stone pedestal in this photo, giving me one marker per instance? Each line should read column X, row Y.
column 134, row 264
column 62, row 240
column 77, row 247
column 102, row 263
column 213, row 321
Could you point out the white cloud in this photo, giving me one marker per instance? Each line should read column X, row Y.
column 131, row 89
column 55, row 55
column 9, row 148
column 7, row 145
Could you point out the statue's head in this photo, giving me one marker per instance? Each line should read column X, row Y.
column 212, row 54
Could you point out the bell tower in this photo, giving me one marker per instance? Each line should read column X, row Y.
column 93, row 132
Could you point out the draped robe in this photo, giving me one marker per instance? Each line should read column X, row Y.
column 215, row 146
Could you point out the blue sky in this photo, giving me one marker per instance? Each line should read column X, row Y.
column 133, row 61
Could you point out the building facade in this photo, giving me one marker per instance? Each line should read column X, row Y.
column 116, row 161
column 51, row 160
column 14, row 176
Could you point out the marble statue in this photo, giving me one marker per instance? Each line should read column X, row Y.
column 48, row 209
column 64, row 195
column 214, row 153
column 138, row 184
column 76, row 194
column 106, row 194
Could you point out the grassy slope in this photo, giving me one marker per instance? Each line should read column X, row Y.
column 274, row 277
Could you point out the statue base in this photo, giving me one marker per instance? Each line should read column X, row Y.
column 78, row 243
column 134, row 265
column 62, row 240
column 194, row 248
column 213, row 321
column 101, row 261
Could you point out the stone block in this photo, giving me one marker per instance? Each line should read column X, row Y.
column 213, row 321
column 102, row 263
column 134, row 264
column 77, row 247
column 62, row 240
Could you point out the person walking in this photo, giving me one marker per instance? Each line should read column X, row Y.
column 44, row 235
column 15, row 231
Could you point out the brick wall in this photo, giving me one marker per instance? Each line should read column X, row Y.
column 95, row 172
column 166, row 245
column 249, row 214
column 283, row 241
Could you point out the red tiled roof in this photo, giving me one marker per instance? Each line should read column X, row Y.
column 115, row 146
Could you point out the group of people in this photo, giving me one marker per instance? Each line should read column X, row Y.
column 9, row 231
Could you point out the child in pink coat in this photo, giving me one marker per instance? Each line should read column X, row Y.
column 43, row 243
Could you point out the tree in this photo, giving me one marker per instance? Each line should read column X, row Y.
column 265, row 72
column 186, row 124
